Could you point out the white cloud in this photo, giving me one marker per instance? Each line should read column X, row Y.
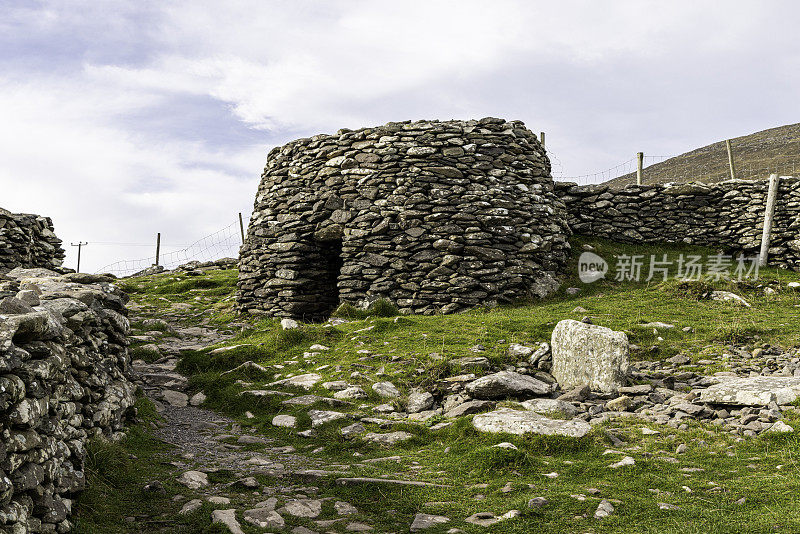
column 123, row 119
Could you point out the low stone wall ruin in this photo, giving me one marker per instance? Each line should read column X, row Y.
column 728, row 215
column 63, row 379
column 28, row 241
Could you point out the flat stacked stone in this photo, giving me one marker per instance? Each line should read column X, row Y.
column 28, row 241
column 433, row 216
column 728, row 215
column 64, row 369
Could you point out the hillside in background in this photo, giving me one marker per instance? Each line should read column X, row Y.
column 776, row 150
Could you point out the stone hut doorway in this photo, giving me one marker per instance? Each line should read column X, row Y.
column 330, row 267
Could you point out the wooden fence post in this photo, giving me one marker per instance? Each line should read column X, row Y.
column 541, row 139
column 769, row 212
column 730, row 159
column 158, row 247
column 80, row 245
column 639, row 166
column 241, row 226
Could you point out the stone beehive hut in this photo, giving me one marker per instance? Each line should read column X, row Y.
column 433, row 216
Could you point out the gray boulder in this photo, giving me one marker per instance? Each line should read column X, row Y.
column 519, row 422
column 755, row 391
column 506, row 384
column 591, row 355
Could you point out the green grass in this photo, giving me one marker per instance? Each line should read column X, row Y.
column 417, row 351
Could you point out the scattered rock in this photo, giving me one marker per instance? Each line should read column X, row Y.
column 426, row 521
column 507, row 384
column 519, row 422
column 389, row 439
column 590, row 355
column 228, row 519
column 755, row 391
column 193, row 479
column 386, row 390
column 286, row 421
column 264, row 518
column 604, row 509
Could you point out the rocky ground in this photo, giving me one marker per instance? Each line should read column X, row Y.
column 461, row 423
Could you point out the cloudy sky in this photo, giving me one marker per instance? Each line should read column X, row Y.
column 123, row 119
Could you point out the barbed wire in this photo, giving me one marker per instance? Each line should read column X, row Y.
column 222, row 243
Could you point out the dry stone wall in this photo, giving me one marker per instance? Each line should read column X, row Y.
column 434, row 216
column 28, row 241
column 727, row 215
column 64, row 369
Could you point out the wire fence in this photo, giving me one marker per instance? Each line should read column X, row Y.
column 663, row 169
column 220, row 244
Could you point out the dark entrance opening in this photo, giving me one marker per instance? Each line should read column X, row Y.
column 330, row 266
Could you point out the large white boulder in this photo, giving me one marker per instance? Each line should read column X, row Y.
column 519, row 422
column 589, row 355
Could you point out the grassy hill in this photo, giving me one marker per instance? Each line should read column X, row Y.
column 776, row 150
column 721, row 483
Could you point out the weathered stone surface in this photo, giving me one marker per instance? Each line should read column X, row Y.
column 544, row 406
column 386, row 390
column 426, row 521
column 519, row 422
column 320, row 417
column 723, row 216
column 388, row 439
column 305, row 381
column 65, row 377
column 468, row 408
column 286, row 421
column 264, row 518
column 307, row 508
column 756, row 391
column 507, row 384
column 419, row 401
column 228, row 519
column 592, row 355
column 410, row 218
column 193, row 479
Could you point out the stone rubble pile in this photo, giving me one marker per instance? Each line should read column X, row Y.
column 433, row 216
column 728, row 215
column 63, row 380
column 192, row 268
column 28, row 241
column 745, row 401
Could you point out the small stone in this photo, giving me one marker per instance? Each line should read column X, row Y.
column 604, row 509
column 537, row 502
column 175, row 398
column 289, row 324
column 352, row 430
column 626, row 461
column 389, row 439
column 426, row 521
column 350, row 393
column 191, row 506
column 197, row 399
column 308, row 508
column 286, row 421
column 228, row 519
column 419, row 401
column 193, row 479
column 386, row 390
column 344, row 508
column 264, row 517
